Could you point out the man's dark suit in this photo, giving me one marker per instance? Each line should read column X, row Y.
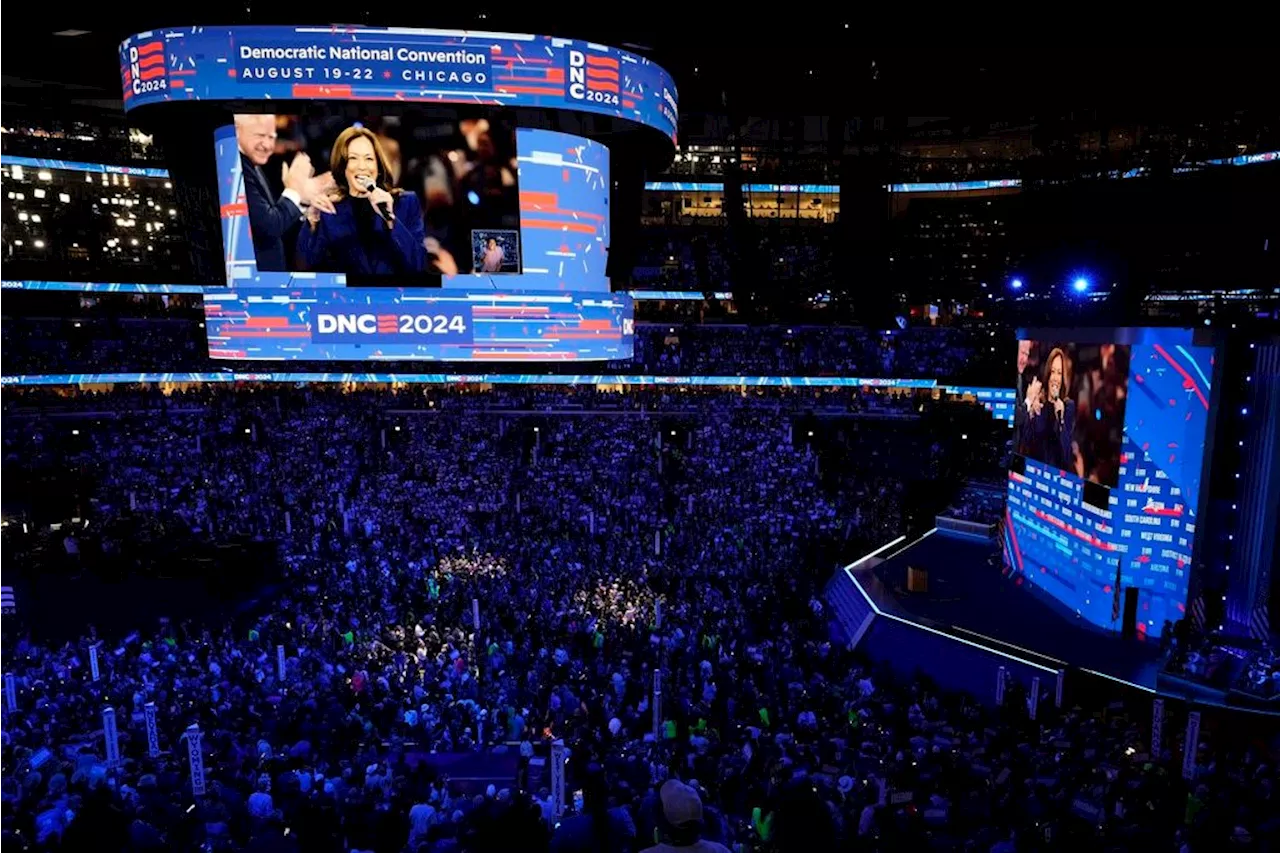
column 270, row 219
column 1020, row 416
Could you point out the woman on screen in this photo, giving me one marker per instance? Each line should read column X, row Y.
column 493, row 257
column 374, row 229
column 1054, row 423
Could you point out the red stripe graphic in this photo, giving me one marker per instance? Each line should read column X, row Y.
column 1013, row 537
column 241, row 333
column 601, row 74
column 1076, row 532
column 601, row 61
column 316, row 90
column 150, row 47
column 531, row 90
column 1187, row 381
column 153, row 59
column 580, row 227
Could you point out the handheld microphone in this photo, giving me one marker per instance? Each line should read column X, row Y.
column 368, row 184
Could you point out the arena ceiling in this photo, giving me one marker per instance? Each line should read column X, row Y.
column 835, row 61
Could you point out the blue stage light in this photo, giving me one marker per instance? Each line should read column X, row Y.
column 473, row 197
column 1080, row 285
column 1016, row 284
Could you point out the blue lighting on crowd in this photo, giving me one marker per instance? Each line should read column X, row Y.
column 1016, row 284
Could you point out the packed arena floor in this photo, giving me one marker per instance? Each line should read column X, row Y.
column 604, row 536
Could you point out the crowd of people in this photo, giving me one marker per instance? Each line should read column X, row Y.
column 601, row 540
column 90, row 135
column 980, row 502
column 174, row 340
column 957, row 354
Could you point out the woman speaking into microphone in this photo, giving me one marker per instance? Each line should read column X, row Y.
column 374, row 229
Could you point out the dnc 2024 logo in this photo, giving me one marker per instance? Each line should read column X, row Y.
column 146, row 71
column 594, row 78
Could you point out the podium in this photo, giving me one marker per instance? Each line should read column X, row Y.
column 917, row 579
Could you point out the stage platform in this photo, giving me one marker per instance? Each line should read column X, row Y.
column 969, row 594
column 974, row 621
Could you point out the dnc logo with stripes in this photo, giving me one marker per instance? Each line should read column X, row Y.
column 146, row 71
column 594, row 78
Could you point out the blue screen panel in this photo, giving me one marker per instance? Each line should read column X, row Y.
column 564, row 215
column 428, row 324
column 402, row 64
column 1146, row 535
column 564, row 219
column 79, row 166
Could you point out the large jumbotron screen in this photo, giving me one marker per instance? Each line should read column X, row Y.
column 542, row 201
column 381, row 197
column 385, row 197
column 1126, row 410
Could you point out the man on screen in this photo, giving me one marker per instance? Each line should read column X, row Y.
column 270, row 218
column 1024, row 381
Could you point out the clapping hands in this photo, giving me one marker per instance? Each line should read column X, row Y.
column 1035, row 397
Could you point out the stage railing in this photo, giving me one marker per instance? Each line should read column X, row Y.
column 965, row 527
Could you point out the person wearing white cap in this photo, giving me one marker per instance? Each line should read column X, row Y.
column 680, row 822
